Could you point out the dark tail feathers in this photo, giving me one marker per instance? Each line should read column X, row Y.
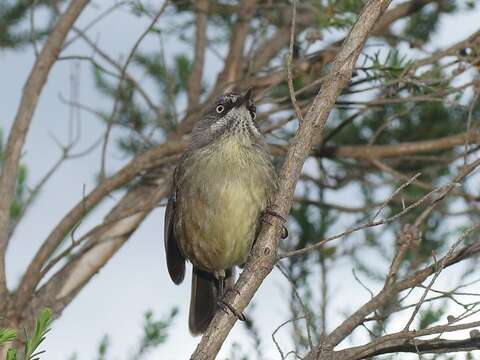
column 206, row 292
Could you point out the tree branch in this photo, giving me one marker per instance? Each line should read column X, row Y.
column 100, row 245
column 28, row 103
column 406, row 343
column 195, row 80
column 232, row 69
column 154, row 157
column 407, row 148
column 262, row 257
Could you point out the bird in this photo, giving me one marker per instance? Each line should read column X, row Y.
column 221, row 187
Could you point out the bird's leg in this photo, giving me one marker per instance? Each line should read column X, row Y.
column 269, row 211
column 222, row 303
column 220, row 275
column 225, row 306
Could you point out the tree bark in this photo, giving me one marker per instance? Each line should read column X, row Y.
column 263, row 256
column 28, row 103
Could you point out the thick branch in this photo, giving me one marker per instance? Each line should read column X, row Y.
column 231, row 70
column 153, row 157
column 407, row 344
column 195, row 79
column 101, row 244
column 402, row 149
column 28, row 103
column 262, row 258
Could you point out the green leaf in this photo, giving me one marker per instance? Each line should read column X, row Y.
column 103, row 347
column 183, row 69
column 7, row 335
column 155, row 332
column 12, row 354
column 431, row 316
column 41, row 328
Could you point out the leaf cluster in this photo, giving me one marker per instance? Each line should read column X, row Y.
column 32, row 343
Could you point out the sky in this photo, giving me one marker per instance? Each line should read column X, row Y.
column 135, row 280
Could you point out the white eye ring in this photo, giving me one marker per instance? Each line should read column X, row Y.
column 254, row 115
column 219, row 109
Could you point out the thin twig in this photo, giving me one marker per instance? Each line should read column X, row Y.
column 116, row 103
column 289, row 63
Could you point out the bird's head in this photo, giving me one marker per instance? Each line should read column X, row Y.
column 230, row 114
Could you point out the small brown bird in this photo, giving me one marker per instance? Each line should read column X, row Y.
column 220, row 188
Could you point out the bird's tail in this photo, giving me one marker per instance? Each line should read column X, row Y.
column 207, row 291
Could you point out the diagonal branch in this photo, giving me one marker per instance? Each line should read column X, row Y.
column 100, row 245
column 154, row 157
column 262, row 258
column 28, row 103
column 117, row 102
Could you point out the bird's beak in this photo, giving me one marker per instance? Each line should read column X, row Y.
column 248, row 95
column 245, row 99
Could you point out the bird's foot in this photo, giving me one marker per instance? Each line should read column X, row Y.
column 225, row 306
column 271, row 212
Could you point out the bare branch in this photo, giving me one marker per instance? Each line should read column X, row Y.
column 232, row 69
column 100, row 245
column 298, row 111
column 195, row 80
column 406, row 148
column 154, row 157
column 347, row 326
column 28, row 103
column 116, row 102
column 262, row 258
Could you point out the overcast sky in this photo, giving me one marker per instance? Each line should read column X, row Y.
column 136, row 279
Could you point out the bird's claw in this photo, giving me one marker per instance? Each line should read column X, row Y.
column 278, row 216
column 225, row 306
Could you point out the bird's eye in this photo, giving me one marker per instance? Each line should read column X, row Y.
column 219, row 109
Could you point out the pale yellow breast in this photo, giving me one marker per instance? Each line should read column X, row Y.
column 228, row 189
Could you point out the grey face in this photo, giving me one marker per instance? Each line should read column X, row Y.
column 232, row 114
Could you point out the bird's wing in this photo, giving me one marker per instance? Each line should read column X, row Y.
column 175, row 259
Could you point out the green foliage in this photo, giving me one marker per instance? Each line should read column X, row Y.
column 41, row 328
column 11, row 354
column 13, row 18
column 337, row 14
column 469, row 356
column 32, row 343
column 21, row 188
column 387, row 71
column 173, row 79
column 20, row 193
column 155, row 332
column 7, row 335
column 171, row 82
column 103, row 348
column 431, row 315
column 237, row 352
column 390, row 68
column 422, row 24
